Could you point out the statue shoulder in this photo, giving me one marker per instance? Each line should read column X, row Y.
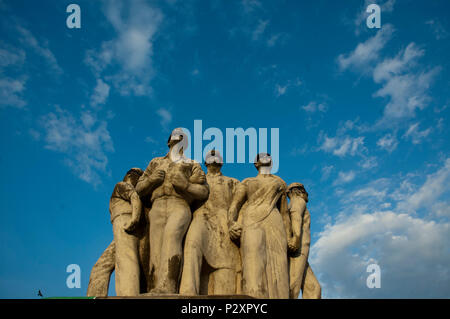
column 233, row 180
column 280, row 180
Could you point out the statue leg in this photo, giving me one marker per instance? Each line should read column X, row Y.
column 127, row 259
column 193, row 257
column 253, row 263
column 157, row 219
column 179, row 217
column 311, row 288
column 101, row 273
column 224, row 281
column 295, row 277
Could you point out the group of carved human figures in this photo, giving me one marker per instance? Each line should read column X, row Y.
column 178, row 230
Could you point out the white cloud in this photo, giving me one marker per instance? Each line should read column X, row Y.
column 250, row 5
column 366, row 52
column 84, row 142
column 259, row 30
column 343, row 145
column 326, row 171
column 415, row 134
column 10, row 56
column 166, row 117
column 438, row 29
column 411, row 252
column 344, row 178
column 40, row 48
column 406, row 90
column 312, row 107
column 101, row 93
column 411, row 249
column 11, row 92
column 388, row 142
column 136, row 24
column 435, row 185
column 280, row 90
column 403, row 82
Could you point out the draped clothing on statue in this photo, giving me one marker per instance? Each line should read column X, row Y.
column 264, row 238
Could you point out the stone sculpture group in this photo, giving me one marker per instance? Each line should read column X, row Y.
column 179, row 231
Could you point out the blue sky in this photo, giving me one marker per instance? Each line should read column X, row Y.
column 363, row 116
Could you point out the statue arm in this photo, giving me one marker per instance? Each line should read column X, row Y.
column 306, row 235
column 150, row 180
column 304, row 251
column 285, row 215
column 296, row 214
column 239, row 198
column 197, row 188
column 136, row 211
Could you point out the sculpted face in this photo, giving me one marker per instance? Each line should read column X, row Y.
column 263, row 160
column 213, row 158
column 133, row 175
column 178, row 136
column 297, row 189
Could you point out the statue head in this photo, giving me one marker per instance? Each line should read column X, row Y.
column 263, row 160
column 213, row 160
column 132, row 176
column 297, row 189
column 178, row 136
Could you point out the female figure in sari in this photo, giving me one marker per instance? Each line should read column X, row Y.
column 258, row 215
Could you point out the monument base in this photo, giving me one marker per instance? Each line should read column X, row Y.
column 177, row 296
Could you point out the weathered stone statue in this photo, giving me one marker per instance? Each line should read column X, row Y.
column 127, row 254
column 208, row 239
column 244, row 238
column 262, row 203
column 172, row 183
column 300, row 272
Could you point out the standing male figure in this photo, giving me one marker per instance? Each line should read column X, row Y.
column 262, row 203
column 173, row 183
column 125, row 207
column 301, row 274
column 208, row 239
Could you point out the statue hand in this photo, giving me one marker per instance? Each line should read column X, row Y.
column 235, row 230
column 179, row 181
column 198, row 179
column 158, row 176
column 130, row 227
column 293, row 244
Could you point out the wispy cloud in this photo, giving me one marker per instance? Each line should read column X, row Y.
column 366, row 52
column 344, row 178
column 415, row 134
column 313, row 107
column 41, row 48
column 12, row 89
column 388, row 142
column 403, row 81
column 342, row 145
column 11, row 92
column 165, row 116
column 127, row 60
column 85, row 142
column 438, row 29
column 101, row 93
